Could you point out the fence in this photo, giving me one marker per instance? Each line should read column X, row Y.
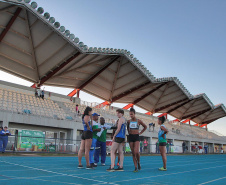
column 42, row 144
column 18, row 144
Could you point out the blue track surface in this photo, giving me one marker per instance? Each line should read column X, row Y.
column 190, row 169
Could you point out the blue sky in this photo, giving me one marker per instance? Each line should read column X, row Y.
column 178, row 38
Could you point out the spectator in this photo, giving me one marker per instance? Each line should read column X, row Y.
column 153, row 127
column 167, row 147
column 36, row 93
column 39, row 92
column 42, row 94
column 4, row 139
column 222, row 151
column 184, row 146
column 157, row 147
column 141, row 146
column 150, row 125
column 1, row 141
column 96, row 128
column 196, row 147
column 145, row 145
column 206, row 148
column 76, row 109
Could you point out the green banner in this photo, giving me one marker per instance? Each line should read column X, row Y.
column 30, row 139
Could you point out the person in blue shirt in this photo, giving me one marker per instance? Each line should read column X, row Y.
column 4, row 139
column 118, row 141
column 1, row 142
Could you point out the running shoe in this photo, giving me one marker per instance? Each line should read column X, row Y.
column 163, row 169
column 103, row 164
column 89, row 167
column 136, row 170
column 80, row 166
column 93, row 165
column 139, row 166
column 110, row 169
column 119, row 169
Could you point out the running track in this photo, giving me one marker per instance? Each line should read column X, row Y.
column 183, row 170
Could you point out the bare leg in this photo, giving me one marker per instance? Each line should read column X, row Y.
column 118, row 158
column 131, row 144
column 88, row 143
column 163, row 154
column 136, row 151
column 114, row 148
column 120, row 151
column 81, row 151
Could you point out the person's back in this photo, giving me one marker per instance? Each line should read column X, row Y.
column 122, row 131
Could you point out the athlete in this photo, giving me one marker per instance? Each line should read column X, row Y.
column 133, row 126
column 87, row 136
column 162, row 141
column 113, row 133
column 118, row 139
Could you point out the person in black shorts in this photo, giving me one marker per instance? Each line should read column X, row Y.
column 133, row 126
column 87, row 137
column 118, row 141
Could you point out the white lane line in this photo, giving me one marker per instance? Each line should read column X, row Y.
column 58, row 173
column 170, row 174
column 212, row 181
column 14, row 177
column 153, row 168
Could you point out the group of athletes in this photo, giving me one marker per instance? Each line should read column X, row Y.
column 119, row 138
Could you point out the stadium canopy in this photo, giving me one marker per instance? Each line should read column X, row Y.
column 35, row 47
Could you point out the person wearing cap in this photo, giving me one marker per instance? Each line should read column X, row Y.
column 96, row 128
column 4, row 139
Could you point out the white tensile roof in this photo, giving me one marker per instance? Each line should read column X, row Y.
column 34, row 46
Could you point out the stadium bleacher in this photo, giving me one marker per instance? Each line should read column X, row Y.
column 26, row 103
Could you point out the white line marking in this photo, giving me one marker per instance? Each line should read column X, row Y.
column 58, row 173
column 212, row 181
column 170, row 174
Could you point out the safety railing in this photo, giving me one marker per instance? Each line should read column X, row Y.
column 17, row 144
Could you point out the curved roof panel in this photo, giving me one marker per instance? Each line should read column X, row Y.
column 37, row 48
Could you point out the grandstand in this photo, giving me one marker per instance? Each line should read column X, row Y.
column 20, row 109
column 57, row 58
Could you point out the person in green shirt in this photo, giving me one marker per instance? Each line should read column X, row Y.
column 101, row 143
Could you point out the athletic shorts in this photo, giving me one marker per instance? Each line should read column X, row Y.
column 119, row 140
column 145, row 147
column 162, row 144
column 87, row 135
column 134, row 137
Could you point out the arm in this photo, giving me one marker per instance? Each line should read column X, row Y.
column 1, row 133
column 98, row 130
column 86, row 120
column 165, row 131
column 118, row 128
column 144, row 125
column 128, row 122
